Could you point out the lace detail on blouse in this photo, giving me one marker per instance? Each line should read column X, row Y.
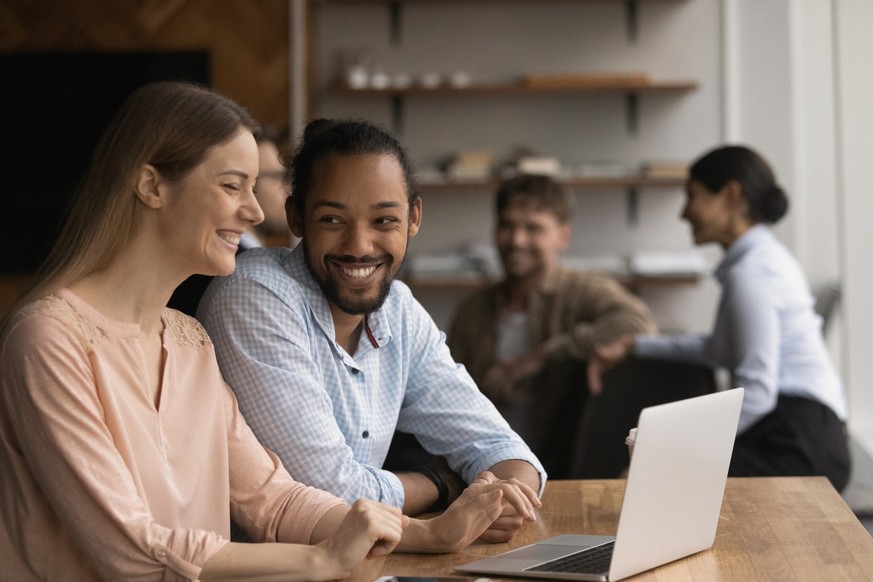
column 186, row 331
column 59, row 308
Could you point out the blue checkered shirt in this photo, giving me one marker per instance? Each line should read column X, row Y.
column 331, row 416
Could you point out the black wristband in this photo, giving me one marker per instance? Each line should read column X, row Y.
column 442, row 487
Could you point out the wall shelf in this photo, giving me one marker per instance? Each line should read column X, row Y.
column 465, row 284
column 625, row 183
column 493, row 89
column 630, row 185
column 395, row 8
column 630, row 88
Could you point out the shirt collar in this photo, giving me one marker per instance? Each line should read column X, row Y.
column 248, row 240
column 748, row 241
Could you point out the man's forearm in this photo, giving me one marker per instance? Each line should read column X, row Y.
column 421, row 493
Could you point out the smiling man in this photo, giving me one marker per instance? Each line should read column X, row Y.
column 328, row 354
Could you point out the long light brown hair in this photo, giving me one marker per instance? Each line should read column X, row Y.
column 169, row 125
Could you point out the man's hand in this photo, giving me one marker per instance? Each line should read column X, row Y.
column 504, row 380
column 604, row 357
column 520, row 503
column 497, row 386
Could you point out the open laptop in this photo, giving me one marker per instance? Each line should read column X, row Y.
column 671, row 504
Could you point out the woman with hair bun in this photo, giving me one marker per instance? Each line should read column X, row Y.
column 766, row 332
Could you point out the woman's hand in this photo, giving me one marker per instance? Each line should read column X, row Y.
column 347, row 536
column 604, row 357
column 369, row 529
column 458, row 526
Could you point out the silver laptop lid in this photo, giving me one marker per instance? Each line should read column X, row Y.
column 676, row 481
column 672, row 499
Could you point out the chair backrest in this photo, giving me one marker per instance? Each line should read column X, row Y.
column 630, row 387
column 827, row 298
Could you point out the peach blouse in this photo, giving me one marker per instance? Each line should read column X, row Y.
column 99, row 482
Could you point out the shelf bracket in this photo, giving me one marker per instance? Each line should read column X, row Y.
column 632, row 19
column 397, row 107
column 395, row 14
column 633, row 206
column 633, row 113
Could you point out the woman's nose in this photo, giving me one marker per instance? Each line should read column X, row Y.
column 252, row 211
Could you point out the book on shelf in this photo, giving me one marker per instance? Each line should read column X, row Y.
column 470, row 165
column 539, row 165
column 664, row 170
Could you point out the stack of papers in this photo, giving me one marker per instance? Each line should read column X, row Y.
column 467, row 262
column 668, row 263
column 601, row 169
column 611, row 264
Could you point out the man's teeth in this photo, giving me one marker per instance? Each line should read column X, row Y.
column 359, row 272
column 230, row 237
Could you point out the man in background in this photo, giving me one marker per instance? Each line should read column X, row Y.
column 272, row 189
column 526, row 339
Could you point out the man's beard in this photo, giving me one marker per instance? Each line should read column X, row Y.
column 535, row 269
column 354, row 303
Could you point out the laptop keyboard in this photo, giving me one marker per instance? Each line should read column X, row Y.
column 591, row 561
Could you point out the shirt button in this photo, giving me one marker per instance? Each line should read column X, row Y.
column 355, row 371
column 365, row 434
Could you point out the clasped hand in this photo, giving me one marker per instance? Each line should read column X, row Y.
column 489, row 509
column 519, row 504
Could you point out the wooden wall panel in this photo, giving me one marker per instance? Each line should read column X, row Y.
column 248, row 40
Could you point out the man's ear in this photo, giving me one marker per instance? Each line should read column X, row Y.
column 564, row 234
column 295, row 221
column 148, row 186
column 415, row 217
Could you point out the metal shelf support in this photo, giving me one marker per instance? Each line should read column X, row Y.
column 632, row 19
column 632, row 102
column 397, row 109
column 395, row 18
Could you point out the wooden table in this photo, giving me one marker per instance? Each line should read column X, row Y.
column 771, row 529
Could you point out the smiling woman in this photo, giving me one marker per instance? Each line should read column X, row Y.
column 766, row 332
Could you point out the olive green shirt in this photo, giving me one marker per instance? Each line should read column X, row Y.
column 568, row 314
